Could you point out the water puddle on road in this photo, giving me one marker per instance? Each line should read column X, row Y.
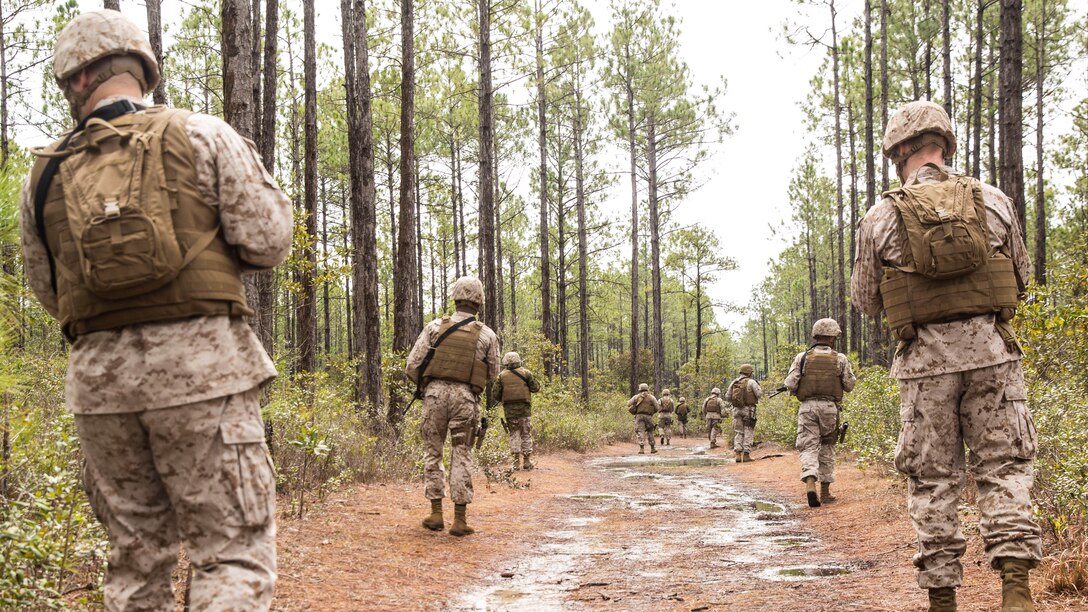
column 611, row 543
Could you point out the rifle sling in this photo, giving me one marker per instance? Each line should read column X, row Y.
column 518, row 374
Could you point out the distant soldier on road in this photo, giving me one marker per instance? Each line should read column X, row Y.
column 644, row 406
column 136, row 230
column 712, row 414
column 664, row 417
column 514, row 389
column 744, row 394
column 943, row 257
column 453, row 359
column 819, row 377
column 682, row 416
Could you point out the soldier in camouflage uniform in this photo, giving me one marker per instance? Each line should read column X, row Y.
column 712, row 414
column 514, row 389
column 664, row 417
column 819, row 377
column 644, row 406
column 163, row 377
column 744, row 394
column 958, row 362
column 682, row 416
column 456, row 372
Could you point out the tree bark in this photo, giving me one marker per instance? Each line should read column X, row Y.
column 154, row 36
column 840, row 282
column 980, row 16
column 366, row 324
column 870, row 165
column 307, row 307
column 405, row 294
column 1010, row 109
column 883, row 87
column 546, row 323
column 583, row 246
column 631, row 143
column 486, row 238
column 946, row 55
column 112, row 4
column 1040, row 186
column 655, row 254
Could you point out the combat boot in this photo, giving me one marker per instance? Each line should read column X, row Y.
column 527, row 464
column 1015, row 590
column 942, row 599
column 460, row 527
column 810, row 488
column 434, row 521
column 641, row 450
column 738, row 456
column 516, row 461
column 662, row 440
column 653, row 449
column 825, row 493
column 745, row 458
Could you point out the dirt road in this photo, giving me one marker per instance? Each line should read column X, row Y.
column 684, row 529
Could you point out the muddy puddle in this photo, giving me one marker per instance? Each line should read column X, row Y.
column 655, row 531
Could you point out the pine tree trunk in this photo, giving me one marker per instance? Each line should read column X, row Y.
column 366, row 328
column 883, row 87
column 655, row 254
column 405, row 326
column 583, row 246
column 487, row 170
column 307, row 307
column 154, row 36
column 546, row 323
column 113, row 4
column 1040, row 186
column 840, row 282
column 946, row 55
column 980, row 16
column 1010, row 108
column 629, row 86
column 870, row 165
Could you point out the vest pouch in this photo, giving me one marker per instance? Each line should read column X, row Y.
column 123, row 255
column 954, row 250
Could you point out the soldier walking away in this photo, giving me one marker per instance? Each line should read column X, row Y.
column 514, row 389
column 744, row 394
column 664, row 417
column 164, row 370
column 452, row 360
column 943, row 257
column 712, row 414
column 819, row 377
column 644, row 406
column 682, row 416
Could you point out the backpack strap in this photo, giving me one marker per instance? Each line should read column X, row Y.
column 430, row 352
column 106, row 113
column 518, row 374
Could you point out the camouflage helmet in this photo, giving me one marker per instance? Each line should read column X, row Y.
column 511, row 359
column 665, row 392
column 915, row 119
column 643, row 387
column 747, row 369
column 826, row 327
column 681, row 400
column 468, row 289
column 96, row 35
column 715, row 391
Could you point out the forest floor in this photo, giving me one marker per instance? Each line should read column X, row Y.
column 684, row 529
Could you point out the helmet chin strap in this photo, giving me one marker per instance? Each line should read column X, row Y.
column 116, row 65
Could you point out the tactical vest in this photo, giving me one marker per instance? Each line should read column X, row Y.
column 645, row 404
column 514, row 389
column 713, row 404
column 455, row 359
column 740, row 395
column 950, row 272
column 820, row 378
column 682, row 409
column 132, row 238
column 666, row 404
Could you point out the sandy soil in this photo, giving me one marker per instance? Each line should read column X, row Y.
column 680, row 530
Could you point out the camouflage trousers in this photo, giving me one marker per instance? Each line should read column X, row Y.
column 520, row 435
column 744, row 429
column 987, row 409
column 453, row 412
column 644, row 429
column 817, row 430
column 664, row 421
column 713, row 426
column 683, row 427
column 198, row 473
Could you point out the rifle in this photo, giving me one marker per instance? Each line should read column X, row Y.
column 778, row 391
column 505, row 425
column 420, row 385
column 842, row 431
column 481, row 431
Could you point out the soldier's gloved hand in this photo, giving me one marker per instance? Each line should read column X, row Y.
column 483, row 422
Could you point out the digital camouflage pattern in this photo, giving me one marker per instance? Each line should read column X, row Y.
column 644, row 429
column 818, row 419
column 95, row 35
column 155, row 365
column 520, row 435
column 713, row 417
column 986, row 408
column 914, row 119
column 939, row 348
column 744, row 420
column 450, row 409
column 198, row 473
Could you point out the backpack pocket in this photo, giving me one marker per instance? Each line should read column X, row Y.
column 121, row 255
column 953, row 250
